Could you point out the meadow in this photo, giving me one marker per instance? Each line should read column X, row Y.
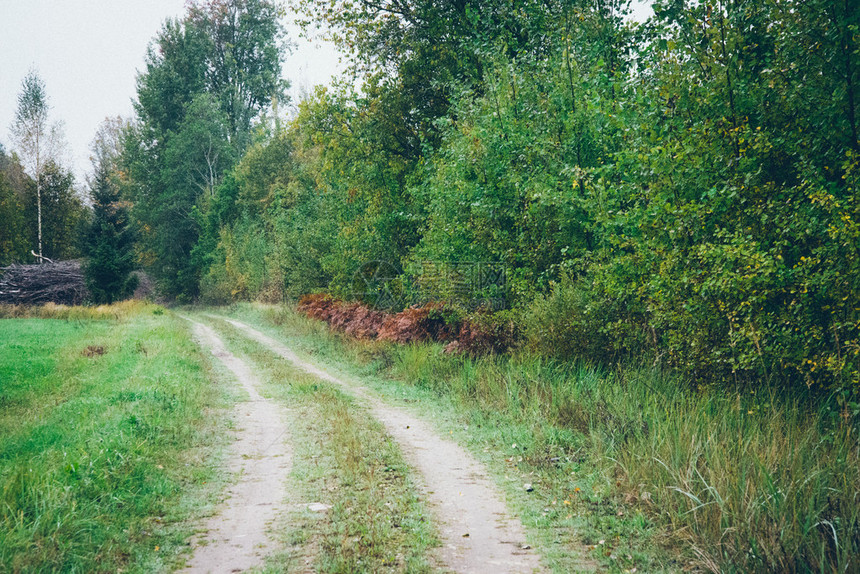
column 113, row 426
column 110, row 435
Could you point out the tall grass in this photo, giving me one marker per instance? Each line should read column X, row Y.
column 745, row 482
column 119, row 310
column 768, row 484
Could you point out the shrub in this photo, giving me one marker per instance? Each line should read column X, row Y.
column 579, row 319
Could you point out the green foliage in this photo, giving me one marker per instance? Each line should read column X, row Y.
column 244, row 47
column 274, row 229
column 63, row 213
column 728, row 204
column 578, row 318
column 245, row 250
column 684, row 188
column 208, row 77
column 14, row 239
column 109, row 242
column 302, row 243
column 363, row 169
column 421, row 50
column 512, row 182
column 55, row 211
column 174, row 75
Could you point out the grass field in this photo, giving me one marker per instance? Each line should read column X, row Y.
column 630, row 467
column 110, row 434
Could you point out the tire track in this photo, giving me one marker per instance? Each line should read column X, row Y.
column 236, row 538
column 479, row 534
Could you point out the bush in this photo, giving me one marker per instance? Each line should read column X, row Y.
column 579, row 319
column 482, row 333
column 215, row 286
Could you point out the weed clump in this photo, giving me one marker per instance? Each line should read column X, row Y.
column 93, row 351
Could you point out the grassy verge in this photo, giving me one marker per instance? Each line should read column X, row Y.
column 631, row 466
column 344, row 460
column 108, row 431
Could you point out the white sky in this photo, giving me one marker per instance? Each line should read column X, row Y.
column 88, row 53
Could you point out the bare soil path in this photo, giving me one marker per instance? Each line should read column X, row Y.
column 478, row 533
column 236, row 538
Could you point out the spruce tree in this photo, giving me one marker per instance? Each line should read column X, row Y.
column 109, row 244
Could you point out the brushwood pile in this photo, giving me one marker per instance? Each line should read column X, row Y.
column 61, row 283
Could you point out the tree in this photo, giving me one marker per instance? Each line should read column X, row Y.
column 208, row 77
column 12, row 232
column 14, row 242
column 422, row 51
column 175, row 73
column 38, row 141
column 107, row 145
column 244, row 52
column 109, row 242
column 63, row 213
column 195, row 160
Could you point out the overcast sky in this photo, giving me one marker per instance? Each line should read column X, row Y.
column 88, row 52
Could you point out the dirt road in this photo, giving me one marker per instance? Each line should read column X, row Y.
column 479, row 534
column 236, row 538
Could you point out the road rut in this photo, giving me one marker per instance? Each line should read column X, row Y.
column 479, row 534
column 236, row 538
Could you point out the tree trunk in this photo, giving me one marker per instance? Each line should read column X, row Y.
column 39, row 197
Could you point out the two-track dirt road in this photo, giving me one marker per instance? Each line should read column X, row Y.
column 478, row 533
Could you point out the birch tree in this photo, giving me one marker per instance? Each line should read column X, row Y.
column 37, row 140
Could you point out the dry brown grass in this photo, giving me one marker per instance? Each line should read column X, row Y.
column 117, row 311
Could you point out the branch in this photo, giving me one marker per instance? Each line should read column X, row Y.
column 42, row 257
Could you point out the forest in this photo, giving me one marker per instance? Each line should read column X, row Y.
column 680, row 191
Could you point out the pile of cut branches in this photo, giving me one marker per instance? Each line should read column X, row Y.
column 61, row 283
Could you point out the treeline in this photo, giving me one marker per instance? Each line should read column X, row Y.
column 45, row 216
column 683, row 187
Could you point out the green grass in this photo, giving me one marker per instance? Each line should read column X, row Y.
column 765, row 484
column 342, row 458
column 516, row 449
column 104, row 454
column 631, row 467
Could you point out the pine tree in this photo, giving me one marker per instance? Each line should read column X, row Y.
column 109, row 244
